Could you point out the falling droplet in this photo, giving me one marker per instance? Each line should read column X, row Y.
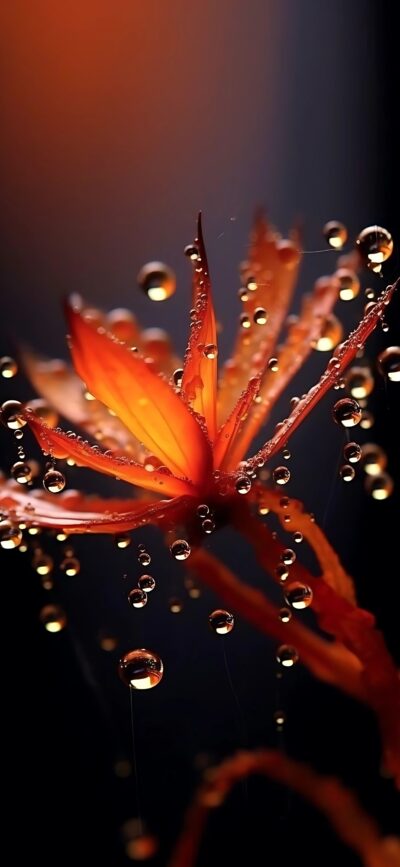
column 347, row 473
column 374, row 459
column 352, row 452
column 141, row 669
column 349, row 284
column 146, row 583
column 144, row 558
column 71, row 566
column 260, row 316
column 245, row 321
column 360, row 382
column 21, row 472
column 139, row 844
column 11, row 414
column 54, row 482
column 8, row 367
column 11, row 537
column 287, row 655
column 107, row 640
column 243, row 485
column 282, row 572
column 208, row 526
column 191, row 251
column 178, row 376
column 286, row 454
column 281, row 475
column 367, row 420
column 210, row 351
column 202, row 510
column 123, row 541
column 297, row 537
column 285, row 615
column 175, row 605
column 335, row 234
column 180, row 549
column 375, row 245
column 288, row 556
column 42, row 563
column 389, row 363
column 279, row 718
column 137, row 598
column 157, row 281
column 330, row 335
column 53, row 618
column 298, row 595
column 347, row 412
column 380, row 486
column 221, row 621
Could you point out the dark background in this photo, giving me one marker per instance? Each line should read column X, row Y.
column 118, row 122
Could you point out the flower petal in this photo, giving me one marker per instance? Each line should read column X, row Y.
column 272, row 266
column 59, row 445
column 344, row 354
column 229, row 433
column 199, row 381
column 142, row 400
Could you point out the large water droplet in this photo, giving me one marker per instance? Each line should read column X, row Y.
column 347, row 412
column 287, row 655
column 10, row 537
column 335, row 234
column 180, row 549
column 298, row 595
column 221, row 621
column 281, row 475
column 146, row 583
column 380, row 487
column 141, row 669
column 157, row 281
column 54, row 482
column 375, row 244
column 352, row 452
column 374, row 459
column 53, row 618
column 21, row 472
column 389, row 363
column 11, row 414
column 243, row 485
column 8, row 367
column 137, row 598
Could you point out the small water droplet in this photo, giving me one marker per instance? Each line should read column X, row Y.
column 251, row 284
column 11, row 537
column 281, row 475
column 141, row 669
column 245, row 321
column 210, row 351
column 279, row 718
column 157, row 281
column 380, row 486
column 347, row 473
column 287, row 655
column 285, row 615
column 367, row 419
column 243, row 485
column 297, row 537
column 175, row 605
column 349, row 284
column 107, row 640
column 71, row 566
column 53, row 618
column 282, row 572
column 8, row 367
column 352, row 452
column 180, row 549
column 389, row 363
column 208, row 526
column 375, row 245
column 360, row 382
column 288, row 556
column 273, row 365
column 123, row 540
column 144, row 558
column 11, row 414
column 42, row 563
column 330, row 335
column 347, row 412
column 374, row 459
column 146, row 583
column 260, row 316
column 178, row 376
column 191, row 251
column 21, row 472
column 137, row 598
column 202, row 510
column 335, row 234
column 221, row 621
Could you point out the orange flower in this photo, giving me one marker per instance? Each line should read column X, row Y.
column 185, row 438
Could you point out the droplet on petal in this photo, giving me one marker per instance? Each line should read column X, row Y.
column 180, row 549
column 347, row 412
column 287, row 655
column 389, row 363
column 273, row 365
column 141, row 669
column 210, row 351
column 137, row 598
column 281, row 475
column 352, row 452
column 178, row 376
column 11, row 414
column 221, row 621
column 53, row 618
column 380, row 487
column 146, row 583
column 335, row 234
column 54, row 482
column 8, row 367
column 191, row 251
column 375, row 245
column 260, row 316
column 157, row 281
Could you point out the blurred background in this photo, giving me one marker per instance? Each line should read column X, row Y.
column 119, row 121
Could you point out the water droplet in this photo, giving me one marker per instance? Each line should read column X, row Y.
column 245, row 321
column 279, row 718
column 298, row 595
column 389, row 363
column 273, row 365
column 203, row 510
column 285, row 615
column 380, row 487
column 352, row 452
column 144, row 558
column 221, row 621
column 123, row 540
column 330, row 335
column 367, row 419
column 53, row 618
column 374, row 459
column 260, row 316
column 43, row 411
column 282, row 572
column 54, row 482
column 107, row 640
column 178, row 376
column 281, row 475
column 21, row 472
column 349, row 284
column 157, row 281
column 347, row 412
column 251, row 284
column 288, row 556
column 208, row 526
column 141, row 669
column 71, row 566
column 191, row 251
column 243, row 485
column 180, row 549
column 287, row 655
column 286, row 454
column 11, row 414
column 137, row 598
column 210, row 351
column 146, row 583
column 11, row 537
column 347, row 473
column 360, row 382
column 335, row 234
column 297, row 537
column 42, row 563
column 175, row 605
column 8, row 367
column 375, row 244
column 61, row 537
column 139, row 845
